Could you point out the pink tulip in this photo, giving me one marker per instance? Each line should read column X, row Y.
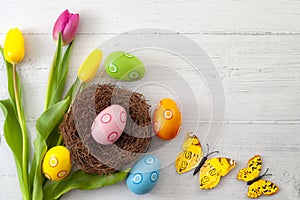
column 67, row 25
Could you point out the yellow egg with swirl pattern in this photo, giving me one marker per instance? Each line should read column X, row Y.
column 57, row 163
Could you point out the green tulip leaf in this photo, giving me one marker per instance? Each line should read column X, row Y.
column 12, row 130
column 53, row 74
column 53, row 138
column 81, row 181
column 13, row 136
column 62, row 73
column 66, row 61
column 73, row 89
column 45, row 125
column 51, row 118
column 40, row 147
column 32, row 172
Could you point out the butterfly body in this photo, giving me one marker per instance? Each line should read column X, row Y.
column 257, row 185
column 197, row 169
column 211, row 169
column 254, row 180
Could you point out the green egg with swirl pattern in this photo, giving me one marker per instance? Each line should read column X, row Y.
column 124, row 66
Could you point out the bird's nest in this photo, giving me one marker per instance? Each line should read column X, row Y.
column 86, row 153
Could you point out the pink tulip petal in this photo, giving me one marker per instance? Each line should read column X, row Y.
column 60, row 24
column 70, row 28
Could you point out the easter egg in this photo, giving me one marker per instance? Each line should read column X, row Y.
column 166, row 119
column 109, row 124
column 56, row 163
column 124, row 66
column 144, row 175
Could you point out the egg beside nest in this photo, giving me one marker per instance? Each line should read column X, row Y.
column 93, row 157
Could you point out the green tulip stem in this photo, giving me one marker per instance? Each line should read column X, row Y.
column 49, row 85
column 79, row 90
column 22, row 122
column 60, row 140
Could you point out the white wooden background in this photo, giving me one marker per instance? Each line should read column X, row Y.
column 254, row 44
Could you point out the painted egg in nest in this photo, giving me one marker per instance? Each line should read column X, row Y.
column 167, row 119
column 124, row 66
column 57, row 163
column 144, row 175
column 109, row 124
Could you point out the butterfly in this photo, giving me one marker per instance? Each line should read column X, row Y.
column 251, row 175
column 211, row 170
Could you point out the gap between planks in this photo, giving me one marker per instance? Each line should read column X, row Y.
column 262, row 122
column 242, row 33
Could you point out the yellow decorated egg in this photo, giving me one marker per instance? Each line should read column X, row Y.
column 57, row 163
column 166, row 119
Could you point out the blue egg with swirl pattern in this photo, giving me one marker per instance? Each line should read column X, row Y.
column 144, row 175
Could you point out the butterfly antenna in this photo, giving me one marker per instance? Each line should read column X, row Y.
column 208, row 154
column 212, row 153
column 266, row 173
column 207, row 150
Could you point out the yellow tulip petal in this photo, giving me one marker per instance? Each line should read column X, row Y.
column 14, row 48
column 88, row 69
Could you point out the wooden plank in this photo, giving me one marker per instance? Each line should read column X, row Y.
column 205, row 17
column 278, row 145
column 260, row 74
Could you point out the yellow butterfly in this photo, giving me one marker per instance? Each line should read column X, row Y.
column 251, row 175
column 211, row 170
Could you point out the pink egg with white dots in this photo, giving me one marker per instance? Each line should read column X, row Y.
column 109, row 124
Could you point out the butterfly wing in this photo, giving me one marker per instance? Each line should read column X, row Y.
column 212, row 170
column 252, row 170
column 191, row 155
column 209, row 176
column 260, row 187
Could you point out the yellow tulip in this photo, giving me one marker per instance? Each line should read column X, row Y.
column 14, row 48
column 88, row 69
